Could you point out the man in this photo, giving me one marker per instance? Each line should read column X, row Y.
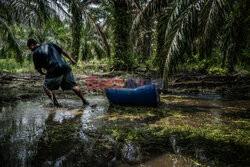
column 59, row 73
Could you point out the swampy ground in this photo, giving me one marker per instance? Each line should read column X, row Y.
column 201, row 121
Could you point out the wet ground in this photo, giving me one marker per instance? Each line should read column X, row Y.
column 189, row 128
column 182, row 131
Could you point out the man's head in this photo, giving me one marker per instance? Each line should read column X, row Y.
column 32, row 44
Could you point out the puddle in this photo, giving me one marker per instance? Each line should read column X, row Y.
column 130, row 152
column 167, row 160
column 20, row 129
column 176, row 148
column 37, row 131
column 22, row 126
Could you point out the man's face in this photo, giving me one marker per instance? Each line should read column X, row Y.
column 32, row 47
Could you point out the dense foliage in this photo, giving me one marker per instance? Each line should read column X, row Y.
column 165, row 35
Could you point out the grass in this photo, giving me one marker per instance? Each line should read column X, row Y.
column 152, row 129
column 95, row 65
column 10, row 65
column 104, row 64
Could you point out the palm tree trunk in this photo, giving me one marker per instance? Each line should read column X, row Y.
column 147, row 40
column 160, row 40
column 76, row 30
column 121, row 26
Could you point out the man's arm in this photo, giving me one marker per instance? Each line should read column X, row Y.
column 40, row 71
column 68, row 56
column 60, row 50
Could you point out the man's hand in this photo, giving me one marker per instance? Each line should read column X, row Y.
column 68, row 56
column 40, row 71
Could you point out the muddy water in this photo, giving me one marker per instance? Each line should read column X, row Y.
column 168, row 160
column 22, row 126
column 34, row 133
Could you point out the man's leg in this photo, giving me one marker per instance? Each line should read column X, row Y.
column 78, row 91
column 52, row 97
column 52, row 84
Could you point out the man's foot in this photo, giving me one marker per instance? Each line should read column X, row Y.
column 57, row 105
column 85, row 102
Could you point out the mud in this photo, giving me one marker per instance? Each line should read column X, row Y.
column 189, row 128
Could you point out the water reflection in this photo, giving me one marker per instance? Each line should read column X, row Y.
column 63, row 115
column 88, row 118
column 130, row 152
column 176, row 148
column 166, row 160
column 21, row 128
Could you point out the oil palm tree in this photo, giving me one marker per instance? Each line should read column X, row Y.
column 118, row 19
column 25, row 13
column 194, row 23
column 80, row 12
column 35, row 13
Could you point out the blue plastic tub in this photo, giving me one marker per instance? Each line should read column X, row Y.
column 143, row 95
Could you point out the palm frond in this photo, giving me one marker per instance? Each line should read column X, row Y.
column 151, row 8
column 13, row 45
column 33, row 11
column 181, row 33
column 99, row 31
